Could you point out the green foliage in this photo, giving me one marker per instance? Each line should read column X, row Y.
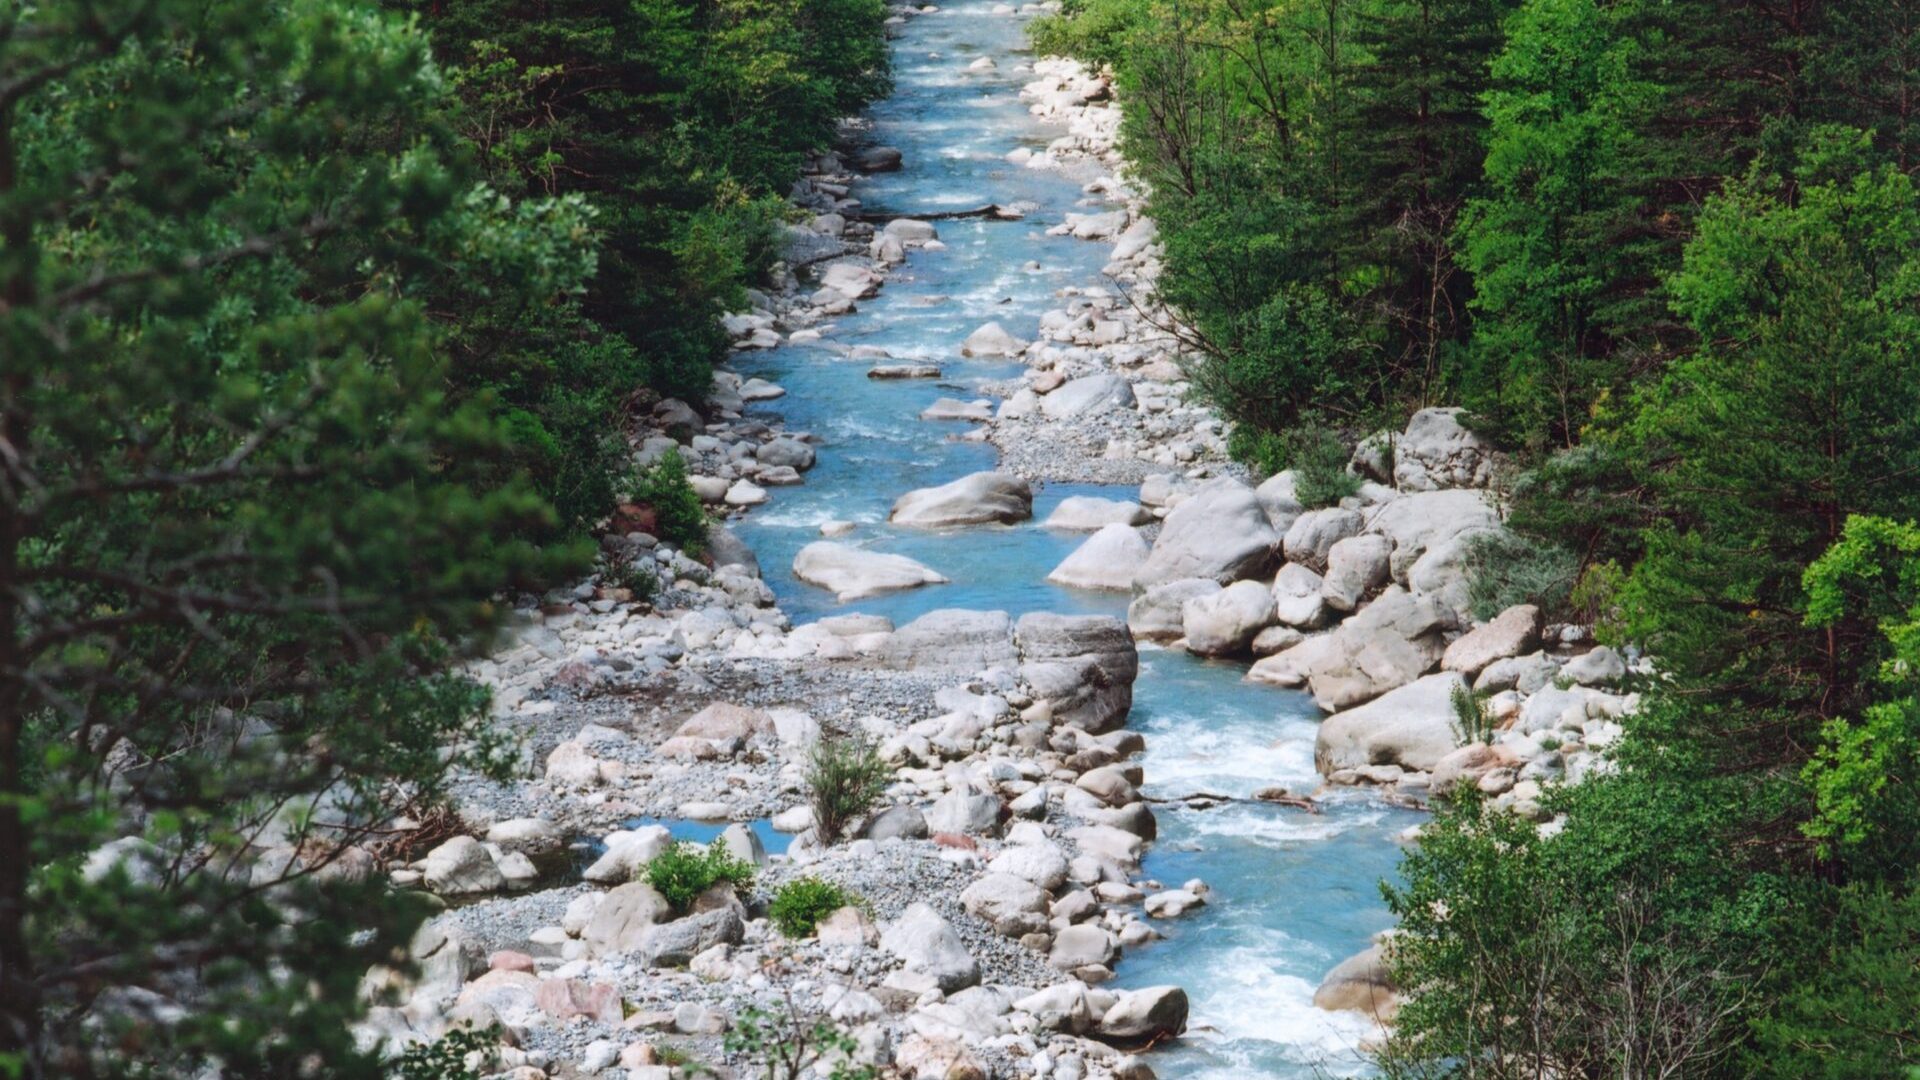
column 463, row 1053
column 663, row 488
column 789, row 1046
column 1504, row 568
column 682, row 871
column 845, row 777
column 1472, row 720
column 1317, row 455
column 1857, row 1011
column 799, row 905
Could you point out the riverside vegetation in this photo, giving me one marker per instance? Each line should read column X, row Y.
column 365, row 410
column 1663, row 253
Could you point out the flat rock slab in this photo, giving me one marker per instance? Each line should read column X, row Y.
column 853, row 573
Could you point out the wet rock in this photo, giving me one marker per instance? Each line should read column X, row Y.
column 979, row 410
column 992, row 340
column 1155, row 1012
column 875, row 159
column 979, row 499
column 853, row 573
column 1108, row 559
column 1359, row 984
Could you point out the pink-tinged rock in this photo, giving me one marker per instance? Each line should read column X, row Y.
column 509, row 960
column 564, row 999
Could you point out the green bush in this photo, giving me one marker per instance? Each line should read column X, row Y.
column 663, row 486
column 844, row 778
column 1316, row 454
column 453, row 1056
column 800, row 904
column 1504, row 569
column 1472, row 722
column 683, row 871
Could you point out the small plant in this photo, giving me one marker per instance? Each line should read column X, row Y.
column 463, row 1053
column 844, row 778
column 663, row 486
column 637, row 574
column 789, row 1046
column 800, row 904
column 1505, row 568
column 1472, row 720
column 683, row 871
column 1549, row 742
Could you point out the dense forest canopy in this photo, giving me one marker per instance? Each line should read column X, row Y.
column 318, row 327
column 1663, row 251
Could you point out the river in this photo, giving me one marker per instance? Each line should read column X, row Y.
column 1293, row 893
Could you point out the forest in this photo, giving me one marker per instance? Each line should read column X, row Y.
column 1664, row 253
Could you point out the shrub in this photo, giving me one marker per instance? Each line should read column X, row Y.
column 844, row 778
column 1504, row 569
column 636, row 574
column 463, row 1053
column 1472, row 722
column 800, row 904
column 663, row 486
column 1316, row 454
column 683, row 871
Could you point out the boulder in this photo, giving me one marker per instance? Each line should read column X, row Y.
column 1085, row 513
column 1159, row 614
column 1064, row 1006
column 979, row 410
column 1082, row 666
column 1044, row 864
column 851, row 279
column 1412, row 726
column 1146, row 1015
column 1108, row 559
column 1356, row 566
column 676, row 943
column 929, row 945
column 1003, row 897
column 875, row 159
column 1359, row 984
column 1443, row 570
column 1314, row 533
column 1436, row 452
column 1218, row 532
column 905, row 822
column 853, row 573
column 978, row 499
column 911, row 230
column 726, row 722
column 627, row 851
column 1225, row 623
column 1600, row 666
column 1419, row 520
column 1299, row 597
column 1087, row 396
column 1389, row 643
column 1083, row 945
column 1511, row 633
column 964, row 813
column 566, row 999
column 992, row 340
column 785, row 451
column 623, row 917
column 952, row 639
column 462, row 866
column 1278, row 501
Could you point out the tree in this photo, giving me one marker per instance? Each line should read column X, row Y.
column 242, row 526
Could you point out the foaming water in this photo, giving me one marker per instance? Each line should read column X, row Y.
column 1293, row 892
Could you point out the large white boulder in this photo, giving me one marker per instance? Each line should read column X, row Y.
column 852, row 573
column 992, row 340
column 1087, row 513
column 1511, row 633
column 1088, row 395
column 1356, row 566
column 1299, row 598
column 952, row 639
column 1389, row 643
column 1082, row 666
column 1159, row 614
column 1412, row 726
column 1313, row 534
column 1218, row 532
column 928, row 944
column 978, row 499
column 1419, row 520
column 1437, row 452
column 1225, row 623
column 1108, row 559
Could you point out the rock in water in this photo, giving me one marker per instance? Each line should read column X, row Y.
column 992, row 340
column 1085, row 513
column 853, row 573
column 1155, row 1012
column 982, row 498
column 1107, row 560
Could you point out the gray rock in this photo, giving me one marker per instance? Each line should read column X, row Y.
column 999, row 897
column 965, row 813
column 1083, row 666
column 1088, row 396
column 1417, row 521
column 1159, row 613
column 1225, row 623
column 1359, row 984
column 1085, row 513
column 874, row 159
column 1045, row 865
column 992, row 340
column 1218, row 532
column 1299, row 598
column 980, row 499
column 1315, row 532
column 1278, row 500
column 1108, row 559
column 462, row 866
column 675, row 944
column 1081, row 946
column 1356, row 566
column 1599, row 666
column 1413, row 726
column 785, row 451
column 853, row 573
column 1512, row 632
column 622, row 919
column 905, row 822
column 1389, row 643
column 952, row 639
column 1437, row 452
column 928, row 944
column 1154, row 1012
